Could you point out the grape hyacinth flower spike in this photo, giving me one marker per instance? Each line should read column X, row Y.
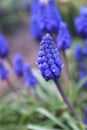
column 18, row 65
column 50, row 66
column 78, row 54
column 81, row 22
column 4, row 49
column 29, row 78
column 64, row 42
column 34, row 27
column 48, row 16
column 3, row 72
column 64, row 37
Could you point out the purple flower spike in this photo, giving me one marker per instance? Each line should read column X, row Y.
column 34, row 27
column 29, row 78
column 50, row 64
column 64, row 37
column 18, row 65
column 49, row 17
column 84, row 119
column 82, row 75
column 78, row 53
column 4, row 49
column 81, row 22
column 3, row 72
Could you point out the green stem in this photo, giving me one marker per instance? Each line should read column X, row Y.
column 67, row 101
column 59, row 87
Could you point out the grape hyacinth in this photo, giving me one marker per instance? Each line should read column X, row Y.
column 4, row 49
column 34, row 27
column 83, row 75
column 48, row 17
column 85, row 49
column 3, row 72
column 18, row 65
column 84, row 119
column 50, row 64
column 78, row 54
column 29, row 78
column 64, row 37
column 81, row 22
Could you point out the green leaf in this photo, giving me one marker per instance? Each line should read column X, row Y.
column 78, row 89
column 70, row 121
column 51, row 117
column 36, row 127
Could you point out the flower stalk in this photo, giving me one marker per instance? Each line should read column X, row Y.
column 70, row 106
column 59, row 87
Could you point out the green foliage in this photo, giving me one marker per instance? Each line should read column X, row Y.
column 49, row 112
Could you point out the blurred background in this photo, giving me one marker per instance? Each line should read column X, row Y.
column 14, row 24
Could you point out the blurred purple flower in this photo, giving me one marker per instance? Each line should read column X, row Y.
column 3, row 72
column 34, row 27
column 48, row 17
column 29, row 79
column 78, row 53
column 81, row 22
column 64, row 37
column 4, row 49
column 45, row 17
column 18, row 65
column 82, row 76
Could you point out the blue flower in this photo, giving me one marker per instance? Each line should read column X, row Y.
column 84, row 50
column 49, row 61
column 81, row 22
column 29, row 78
column 83, row 11
column 64, row 37
column 78, row 54
column 83, row 75
column 34, row 27
column 18, row 65
column 3, row 72
column 48, row 17
column 82, row 68
column 84, row 119
column 4, row 49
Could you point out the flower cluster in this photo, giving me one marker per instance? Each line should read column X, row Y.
column 81, row 22
column 34, row 28
column 45, row 17
column 64, row 37
column 18, row 65
column 21, row 70
column 48, row 17
column 29, row 78
column 4, row 49
column 49, row 61
column 81, row 58
column 3, row 72
column 78, row 53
